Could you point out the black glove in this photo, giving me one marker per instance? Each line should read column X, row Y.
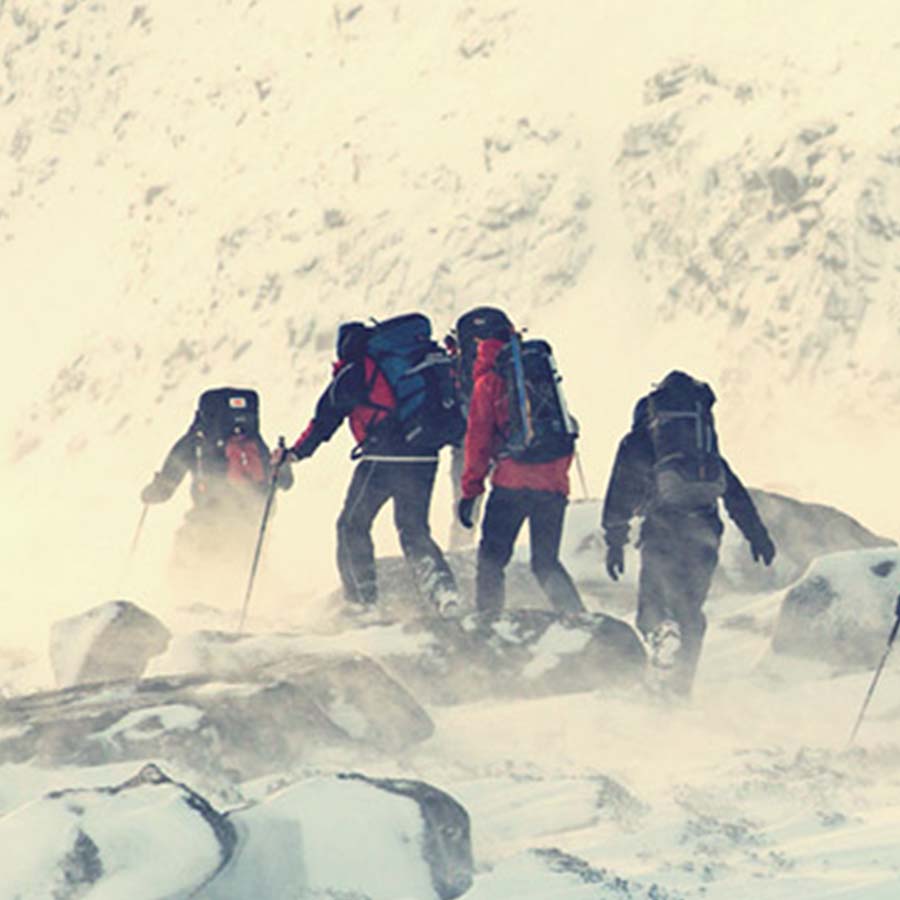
column 615, row 561
column 763, row 549
column 301, row 451
column 158, row 491
column 465, row 510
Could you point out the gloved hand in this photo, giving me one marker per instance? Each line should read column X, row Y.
column 763, row 549
column 465, row 510
column 301, row 451
column 158, row 491
column 615, row 561
column 279, row 456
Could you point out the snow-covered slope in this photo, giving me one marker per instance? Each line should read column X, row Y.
column 195, row 194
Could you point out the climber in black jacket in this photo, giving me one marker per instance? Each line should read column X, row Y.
column 668, row 471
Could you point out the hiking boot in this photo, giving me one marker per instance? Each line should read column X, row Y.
column 447, row 602
column 665, row 642
column 362, row 613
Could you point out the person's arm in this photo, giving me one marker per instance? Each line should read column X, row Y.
column 742, row 510
column 629, row 486
column 346, row 391
column 177, row 464
column 481, row 426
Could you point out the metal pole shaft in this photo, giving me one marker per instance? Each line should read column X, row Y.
column 262, row 532
column 584, row 487
column 878, row 671
column 139, row 529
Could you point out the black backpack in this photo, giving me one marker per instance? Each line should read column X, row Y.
column 688, row 471
column 540, row 426
column 426, row 414
column 228, row 443
column 481, row 322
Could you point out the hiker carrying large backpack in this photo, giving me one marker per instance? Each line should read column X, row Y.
column 520, row 431
column 669, row 470
column 395, row 387
column 229, row 464
column 462, row 342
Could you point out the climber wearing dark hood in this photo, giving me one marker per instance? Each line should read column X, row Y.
column 669, row 471
column 230, row 474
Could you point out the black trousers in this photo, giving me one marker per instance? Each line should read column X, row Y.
column 409, row 485
column 505, row 513
column 679, row 554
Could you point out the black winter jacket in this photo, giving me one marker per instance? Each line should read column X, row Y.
column 630, row 491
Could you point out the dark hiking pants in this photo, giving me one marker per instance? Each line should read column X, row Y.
column 505, row 512
column 679, row 553
column 409, row 485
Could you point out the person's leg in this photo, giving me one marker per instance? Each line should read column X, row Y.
column 698, row 556
column 504, row 513
column 355, row 552
column 546, row 519
column 411, row 487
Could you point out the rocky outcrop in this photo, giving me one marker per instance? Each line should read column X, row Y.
column 147, row 837
column 349, row 835
column 111, row 641
column 239, row 727
column 842, row 612
column 521, row 653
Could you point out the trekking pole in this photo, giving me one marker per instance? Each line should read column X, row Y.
column 584, row 487
column 262, row 529
column 126, row 566
column 138, row 530
column 890, row 643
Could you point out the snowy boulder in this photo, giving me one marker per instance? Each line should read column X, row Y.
column 240, row 728
column 350, row 836
column 147, row 838
column 801, row 533
column 842, row 611
column 521, row 653
column 111, row 641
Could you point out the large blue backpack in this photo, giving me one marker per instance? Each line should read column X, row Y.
column 426, row 414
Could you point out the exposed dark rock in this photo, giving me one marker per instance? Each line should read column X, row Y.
column 265, row 722
column 447, row 844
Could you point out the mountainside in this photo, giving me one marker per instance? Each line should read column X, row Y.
column 278, row 182
column 783, row 228
column 216, row 186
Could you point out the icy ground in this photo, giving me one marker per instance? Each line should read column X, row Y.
column 749, row 791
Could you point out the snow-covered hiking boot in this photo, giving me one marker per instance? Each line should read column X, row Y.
column 447, row 603
column 362, row 614
column 665, row 642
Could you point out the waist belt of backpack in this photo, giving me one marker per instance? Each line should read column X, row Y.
column 379, row 457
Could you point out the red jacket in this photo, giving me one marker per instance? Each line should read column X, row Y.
column 359, row 393
column 486, row 433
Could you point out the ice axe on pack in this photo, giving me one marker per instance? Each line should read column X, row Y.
column 890, row 643
column 273, row 483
